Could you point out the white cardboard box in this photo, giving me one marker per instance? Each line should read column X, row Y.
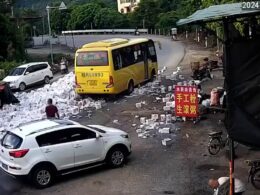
column 164, row 130
column 166, row 141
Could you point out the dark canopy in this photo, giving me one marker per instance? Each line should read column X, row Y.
column 241, row 68
column 218, row 12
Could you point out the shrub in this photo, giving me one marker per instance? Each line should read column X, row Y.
column 7, row 66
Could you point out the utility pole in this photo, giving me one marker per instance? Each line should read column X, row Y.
column 61, row 7
column 12, row 11
column 43, row 26
column 49, row 26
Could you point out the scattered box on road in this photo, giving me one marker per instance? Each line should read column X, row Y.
column 167, row 141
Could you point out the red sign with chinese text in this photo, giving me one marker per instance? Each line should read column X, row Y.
column 186, row 101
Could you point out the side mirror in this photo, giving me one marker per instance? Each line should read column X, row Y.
column 26, row 73
column 98, row 135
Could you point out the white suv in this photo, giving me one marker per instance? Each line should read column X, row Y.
column 44, row 149
column 29, row 74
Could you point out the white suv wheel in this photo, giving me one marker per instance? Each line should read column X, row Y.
column 42, row 177
column 46, row 80
column 116, row 157
column 22, row 87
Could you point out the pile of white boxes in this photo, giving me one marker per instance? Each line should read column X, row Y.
column 32, row 104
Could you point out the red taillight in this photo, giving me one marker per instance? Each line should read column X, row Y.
column 19, row 153
column 76, row 82
column 111, row 82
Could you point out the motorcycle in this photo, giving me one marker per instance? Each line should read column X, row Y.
column 254, row 172
column 64, row 68
column 174, row 37
column 201, row 74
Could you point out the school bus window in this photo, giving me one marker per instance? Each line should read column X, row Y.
column 117, row 59
column 126, row 56
column 96, row 58
column 137, row 53
column 152, row 52
column 130, row 56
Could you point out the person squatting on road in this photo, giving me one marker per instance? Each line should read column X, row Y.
column 203, row 71
column 51, row 110
column 215, row 184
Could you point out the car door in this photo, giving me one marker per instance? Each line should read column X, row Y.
column 41, row 72
column 88, row 148
column 29, row 75
column 57, row 149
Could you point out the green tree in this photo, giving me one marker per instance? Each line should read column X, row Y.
column 110, row 18
column 82, row 16
column 146, row 13
column 10, row 40
column 168, row 5
column 188, row 7
column 26, row 12
column 5, row 6
column 167, row 20
column 59, row 20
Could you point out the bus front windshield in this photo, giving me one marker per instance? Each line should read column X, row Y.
column 92, row 58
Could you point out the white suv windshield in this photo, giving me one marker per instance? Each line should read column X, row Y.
column 17, row 72
column 11, row 141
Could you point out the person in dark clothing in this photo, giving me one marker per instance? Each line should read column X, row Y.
column 51, row 110
column 205, row 66
column 6, row 95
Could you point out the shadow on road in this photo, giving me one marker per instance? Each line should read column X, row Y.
column 9, row 185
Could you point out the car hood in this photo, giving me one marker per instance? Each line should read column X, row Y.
column 11, row 78
column 108, row 130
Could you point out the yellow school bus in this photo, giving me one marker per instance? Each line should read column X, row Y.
column 114, row 65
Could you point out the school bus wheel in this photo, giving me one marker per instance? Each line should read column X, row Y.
column 131, row 87
column 153, row 75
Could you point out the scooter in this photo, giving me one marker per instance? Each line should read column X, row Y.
column 174, row 37
column 64, row 68
column 199, row 75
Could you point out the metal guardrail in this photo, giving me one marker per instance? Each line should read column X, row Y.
column 104, row 31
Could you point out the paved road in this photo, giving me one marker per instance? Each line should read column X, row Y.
column 170, row 55
column 149, row 166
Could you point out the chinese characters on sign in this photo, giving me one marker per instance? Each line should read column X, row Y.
column 186, row 101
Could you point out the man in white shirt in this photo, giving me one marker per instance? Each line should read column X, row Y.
column 217, row 183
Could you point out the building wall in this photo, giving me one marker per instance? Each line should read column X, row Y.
column 125, row 6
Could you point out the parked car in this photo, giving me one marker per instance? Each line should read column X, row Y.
column 43, row 149
column 29, row 74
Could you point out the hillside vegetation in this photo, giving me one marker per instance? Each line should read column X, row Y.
column 38, row 5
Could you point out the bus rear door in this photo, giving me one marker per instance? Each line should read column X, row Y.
column 145, row 58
